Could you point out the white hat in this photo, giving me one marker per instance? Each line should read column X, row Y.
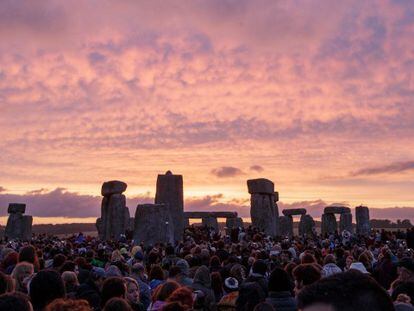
column 359, row 266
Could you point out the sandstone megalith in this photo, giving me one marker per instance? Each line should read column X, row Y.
column 363, row 225
column 170, row 192
column 263, row 207
column 115, row 218
column 18, row 226
column 153, row 224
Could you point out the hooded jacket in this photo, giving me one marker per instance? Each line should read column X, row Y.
column 202, row 282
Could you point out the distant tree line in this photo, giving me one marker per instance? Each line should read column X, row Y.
column 386, row 223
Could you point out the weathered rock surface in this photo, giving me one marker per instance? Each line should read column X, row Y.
column 261, row 185
column 286, row 226
column 115, row 218
column 294, row 211
column 153, row 224
column 16, row 208
column 264, row 213
column 19, row 226
column 113, row 187
column 336, row 210
column 306, row 225
column 170, row 192
column 363, row 225
column 345, row 222
column 329, row 224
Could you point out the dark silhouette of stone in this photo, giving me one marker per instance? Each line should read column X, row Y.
column 336, row 209
column 18, row 226
column 234, row 222
column 286, row 226
column 294, row 211
column 260, row 185
column 113, row 187
column 306, row 225
column 115, row 218
column 263, row 208
column 210, row 222
column 16, row 208
column 170, row 192
column 345, row 222
column 329, row 224
column 153, row 224
column 363, row 225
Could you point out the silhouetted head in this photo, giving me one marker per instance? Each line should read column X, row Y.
column 347, row 291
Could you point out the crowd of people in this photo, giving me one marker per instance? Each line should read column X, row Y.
column 242, row 271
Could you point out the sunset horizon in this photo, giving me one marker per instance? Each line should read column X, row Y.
column 317, row 97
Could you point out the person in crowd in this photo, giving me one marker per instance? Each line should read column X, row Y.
column 182, row 295
column 280, row 291
column 90, row 288
column 113, row 287
column 329, row 266
column 20, row 273
column 231, row 293
column 70, row 279
column 44, row 287
column 138, row 274
column 347, row 291
column 156, row 277
column 15, row 301
column 202, row 282
column 6, row 284
column 132, row 294
column 117, row 304
column 304, row 275
column 68, row 305
column 161, row 295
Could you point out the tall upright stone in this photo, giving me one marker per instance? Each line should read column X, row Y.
column 115, row 218
column 263, row 207
column 363, row 225
column 286, row 226
column 18, row 226
column 210, row 222
column 170, row 192
column 329, row 224
column 345, row 222
column 153, row 224
column 306, row 225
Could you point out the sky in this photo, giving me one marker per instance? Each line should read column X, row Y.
column 316, row 96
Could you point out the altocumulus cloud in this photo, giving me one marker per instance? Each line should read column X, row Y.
column 227, row 171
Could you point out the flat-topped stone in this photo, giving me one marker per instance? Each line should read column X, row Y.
column 16, row 208
column 113, row 187
column 336, row 209
column 261, row 185
column 294, row 211
column 210, row 214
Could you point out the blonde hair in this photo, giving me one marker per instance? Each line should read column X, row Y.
column 70, row 278
column 20, row 270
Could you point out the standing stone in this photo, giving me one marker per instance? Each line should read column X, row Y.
column 306, row 225
column 153, row 224
column 263, row 208
column 115, row 219
column 294, row 211
column 210, row 222
column 363, row 226
column 345, row 222
column 18, row 226
column 170, row 192
column 329, row 224
column 286, row 226
column 234, row 222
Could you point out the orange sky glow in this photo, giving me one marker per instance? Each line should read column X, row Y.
column 317, row 96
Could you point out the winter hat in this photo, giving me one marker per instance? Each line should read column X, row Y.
column 359, row 266
column 231, row 284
